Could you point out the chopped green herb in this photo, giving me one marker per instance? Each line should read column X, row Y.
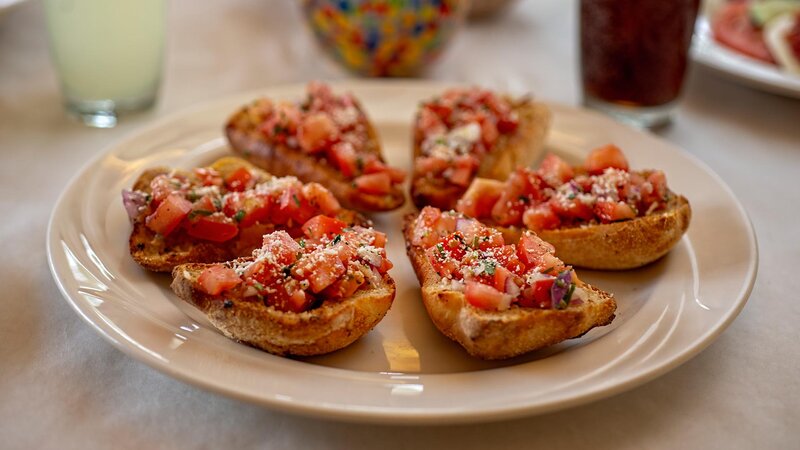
column 440, row 250
column 192, row 196
column 239, row 215
column 199, row 212
column 360, row 163
column 296, row 199
column 217, row 203
column 302, row 243
column 287, row 270
column 488, row 267
column 336, row 239
column 571, row 196
column 548, row 270
column 258, row 286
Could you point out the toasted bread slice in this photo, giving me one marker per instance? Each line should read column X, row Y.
column 488, row 334
column 521, row 148
column 161, row 254
column 331, row 326
column 621, row 245
column 613, row 246
column 244, row 134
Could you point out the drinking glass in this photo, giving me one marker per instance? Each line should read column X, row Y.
column 634, row 55
column 107, row 54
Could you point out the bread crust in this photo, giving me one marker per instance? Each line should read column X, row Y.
column 281, row 160
column 520, row 149
column 331, row 326
column 503, row 334
column 161, row 254
column 619, row 245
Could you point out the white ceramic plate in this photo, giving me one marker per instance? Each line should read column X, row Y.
column 404, row 371
column 738, row 67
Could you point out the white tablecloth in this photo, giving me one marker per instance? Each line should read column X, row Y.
column 63, row 386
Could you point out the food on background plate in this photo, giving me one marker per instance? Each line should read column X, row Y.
column 768, row 31
column 305, row 296
column 218, row 213
column 469, row 132
column 325, row 138
column 600, row 215
column 498, row 300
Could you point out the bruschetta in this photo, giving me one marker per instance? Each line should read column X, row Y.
column 469, row 132
column 306, row 296
column 218, row 213
column 600, row 215
column 325, row 138
column 498, row 300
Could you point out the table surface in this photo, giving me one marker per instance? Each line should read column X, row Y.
column 62, row 385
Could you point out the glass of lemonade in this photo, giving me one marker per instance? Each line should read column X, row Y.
column 108, row 55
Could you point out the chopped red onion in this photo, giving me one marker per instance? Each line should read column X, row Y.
column 134, row 202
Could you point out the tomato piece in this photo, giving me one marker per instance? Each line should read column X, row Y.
column 214, row 228
column 320, row 268
column 217, row 278
column 374, row 165
column 162, row 186
column 345, row 158
column 322, row 226
column 239, row 179
column 345, row 286
column 555, row 170
column 541, row 217
column 484, row 296
column 380, row 239
column 283, row 248
column 733, row 28
column 385, row 266
column 537, row 254
column 317, row 132
column 289, row 297
column 430, row 122
column 539, row 295
column 506, row 255
column 441, row 262
column 208, row 176
column 291, row 205
column 247, row 208
column 507, row 124
column 489, row 132
column 430, row 164
column 374, row 183
column 659, row 181
column 463, row 170
column 611, row 211
column 571, row 209
column 169, row 214
column 604, row 157
column 508, row 209
column 480, row 198
column 321, row 198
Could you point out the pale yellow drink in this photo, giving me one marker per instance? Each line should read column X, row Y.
column 108, row 53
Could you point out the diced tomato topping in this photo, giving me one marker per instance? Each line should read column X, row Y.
column 480, row 198
column 289, row 297
column 345, row 158
column 282, row 246
column 246, row 208
column 321, row 198
column 463, row 169
column 541, row 217
column 604, row 157
column 322, row 226
column 507, row 256
column 374, row 165
column 539, row 295
column 345, row 286
column 508, row 209
column 214, row 228
column 555, row 168
column 536, row 253
column 374, row 183
column 217, row 278
column 441, row 262
column 430, row 164
column 239, row 179
column 316, row 132
column 380, row 239
column 659, row 181
column 320, row 268
column 571, row 209
column 611, row 211
column 489, row 132
column 486, row 297
column 169, row 214
column 208, row 176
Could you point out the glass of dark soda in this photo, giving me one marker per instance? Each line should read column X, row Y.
column 634, row 55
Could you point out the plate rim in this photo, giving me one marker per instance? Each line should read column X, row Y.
column 384, row 414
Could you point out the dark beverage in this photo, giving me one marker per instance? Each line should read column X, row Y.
column 634, row 52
